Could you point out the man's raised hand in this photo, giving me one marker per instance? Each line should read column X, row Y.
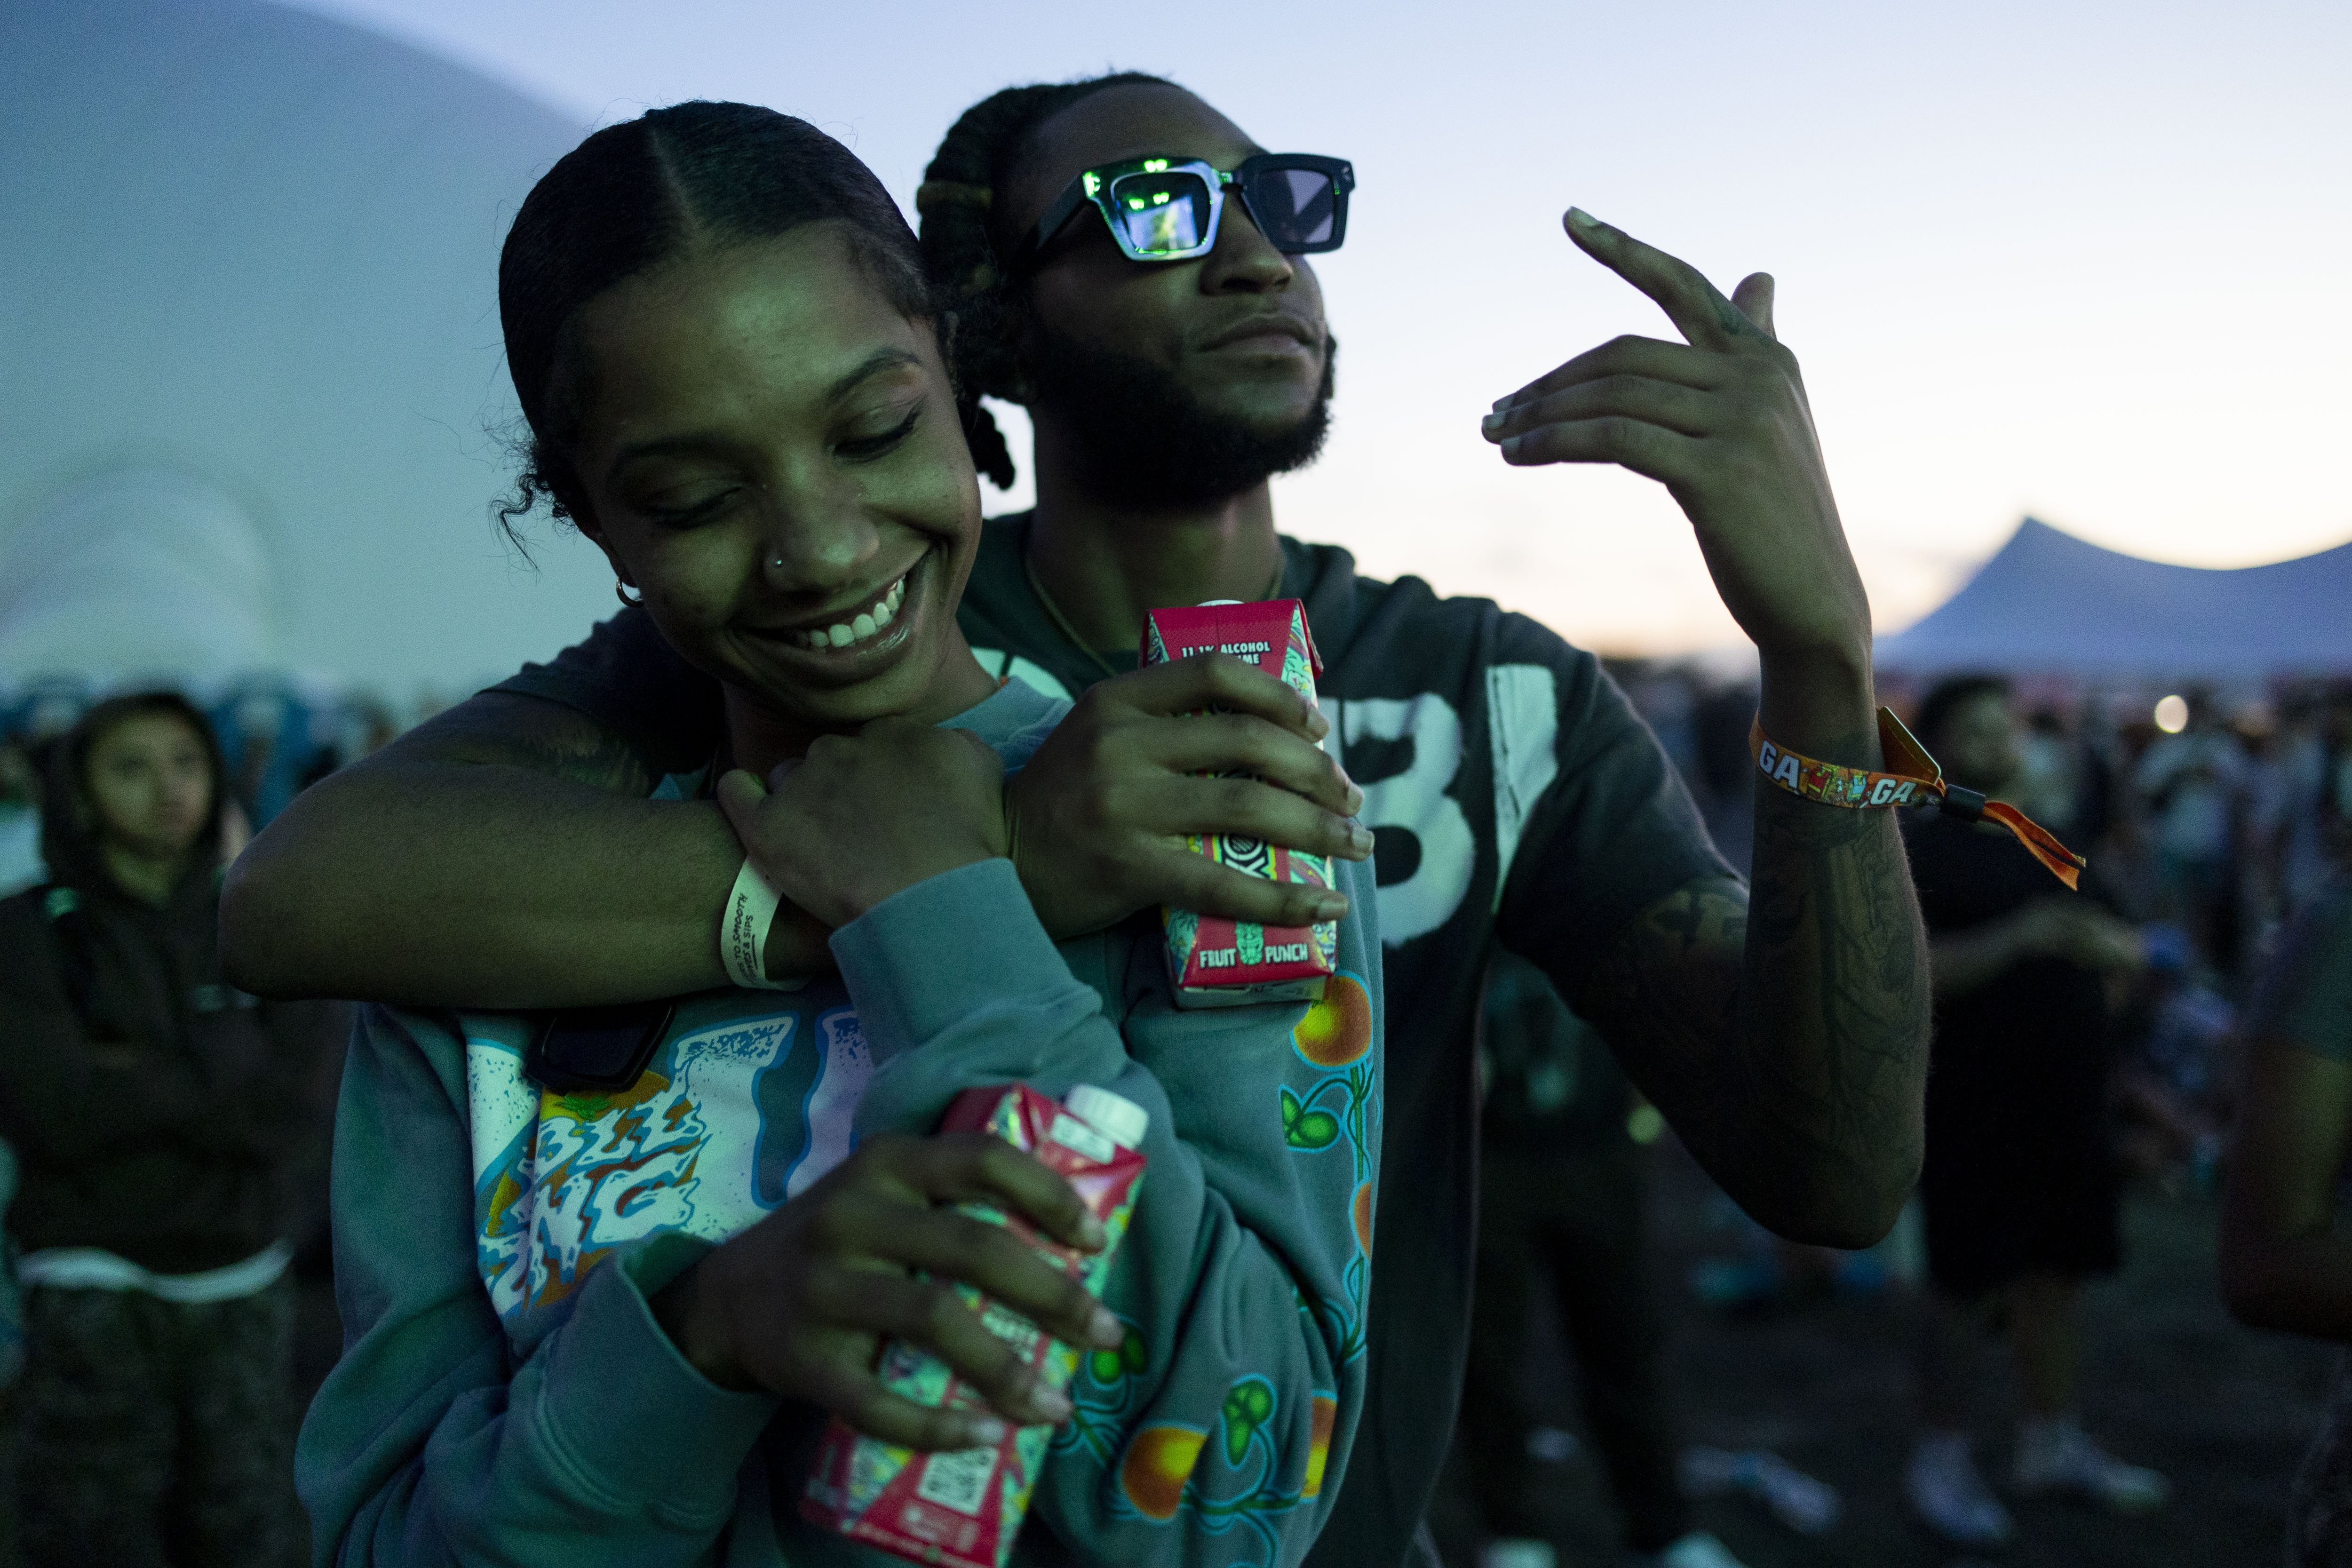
column 1722, row 421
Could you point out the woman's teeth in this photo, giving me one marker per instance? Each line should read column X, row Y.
column 858, row 627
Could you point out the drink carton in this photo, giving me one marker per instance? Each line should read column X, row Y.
column 1214, row 961
column 963, row 1509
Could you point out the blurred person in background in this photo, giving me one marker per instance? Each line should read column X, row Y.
column 2192, row 786
column 2283, row 1263
column 2310, row 836
column 2067, row 786
column 1725, row 779
column 47, row 713
column 1562, row 1199
column 2117, row 834
column 20, row 817
column 12, row 1361
column 275, row 744
column 162, row 1120
column 2020, row 1185
column 2172, row 1074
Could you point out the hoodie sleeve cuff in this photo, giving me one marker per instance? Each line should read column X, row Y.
column 630, row 1416
column 926, row 957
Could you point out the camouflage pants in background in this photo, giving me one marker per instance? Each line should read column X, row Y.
column 156, row 1435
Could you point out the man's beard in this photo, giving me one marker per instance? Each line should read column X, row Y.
column 1143, row 439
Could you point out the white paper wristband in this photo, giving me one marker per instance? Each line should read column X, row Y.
column 744, row 931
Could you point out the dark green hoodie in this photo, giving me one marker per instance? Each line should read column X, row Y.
column 156, row 1112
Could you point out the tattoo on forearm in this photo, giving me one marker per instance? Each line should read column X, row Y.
column 1666, row 995
column 1786, row 1036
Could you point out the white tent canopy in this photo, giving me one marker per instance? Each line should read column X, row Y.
column 2050, row 602
column 251, row 353
column 146, row 570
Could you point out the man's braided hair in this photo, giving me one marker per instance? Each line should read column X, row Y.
column 975, row 158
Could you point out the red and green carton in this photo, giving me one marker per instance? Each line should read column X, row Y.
column 963, row 1508
column 1219, row 962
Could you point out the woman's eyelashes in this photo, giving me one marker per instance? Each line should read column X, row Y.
column 688, row 514
column 865, row 449
column 678, row 507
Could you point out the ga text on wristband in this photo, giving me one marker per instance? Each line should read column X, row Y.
column 1920, row 783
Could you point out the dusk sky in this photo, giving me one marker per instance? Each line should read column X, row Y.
column 2085, row 262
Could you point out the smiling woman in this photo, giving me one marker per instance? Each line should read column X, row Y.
column 746, row 407
column 785, row 482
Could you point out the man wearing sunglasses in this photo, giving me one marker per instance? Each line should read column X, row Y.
column 1168, row 369
column 1123, row 261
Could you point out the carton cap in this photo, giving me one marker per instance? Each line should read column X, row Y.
column 1113, row 1116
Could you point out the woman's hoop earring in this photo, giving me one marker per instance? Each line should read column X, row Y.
column 621, row 591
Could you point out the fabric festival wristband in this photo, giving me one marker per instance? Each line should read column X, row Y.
column 1921, row 783
column 744, row 931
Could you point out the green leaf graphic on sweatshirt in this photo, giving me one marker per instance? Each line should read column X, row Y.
column 1304, row 1129
column 1107, row 1366
column 1247, row 1404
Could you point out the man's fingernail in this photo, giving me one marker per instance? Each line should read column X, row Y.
column 1318, row 725
column 1358, row 839
column 1049, row 1405
column 1493, row 422
column 1091, row 1234
column 1106, row 1330
column 983, row 1432
column 1580, row 219
column 1355, row 800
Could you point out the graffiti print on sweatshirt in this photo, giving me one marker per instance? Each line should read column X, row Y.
column 727, row 1121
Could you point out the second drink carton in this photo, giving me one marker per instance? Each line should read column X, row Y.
column 963, row 1509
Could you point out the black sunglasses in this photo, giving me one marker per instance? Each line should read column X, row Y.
column 1167, row 209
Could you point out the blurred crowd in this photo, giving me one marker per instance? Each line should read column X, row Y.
column 2083, row 1042
column 2210, row 817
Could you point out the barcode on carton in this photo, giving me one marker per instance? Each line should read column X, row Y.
column 958, row 1479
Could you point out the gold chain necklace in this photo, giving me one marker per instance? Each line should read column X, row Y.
column 1054, row 611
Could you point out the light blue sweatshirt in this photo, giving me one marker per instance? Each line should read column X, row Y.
column 505, row 1396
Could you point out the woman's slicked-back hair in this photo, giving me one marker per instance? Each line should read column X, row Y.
column 975, row 160
column 693, row 176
